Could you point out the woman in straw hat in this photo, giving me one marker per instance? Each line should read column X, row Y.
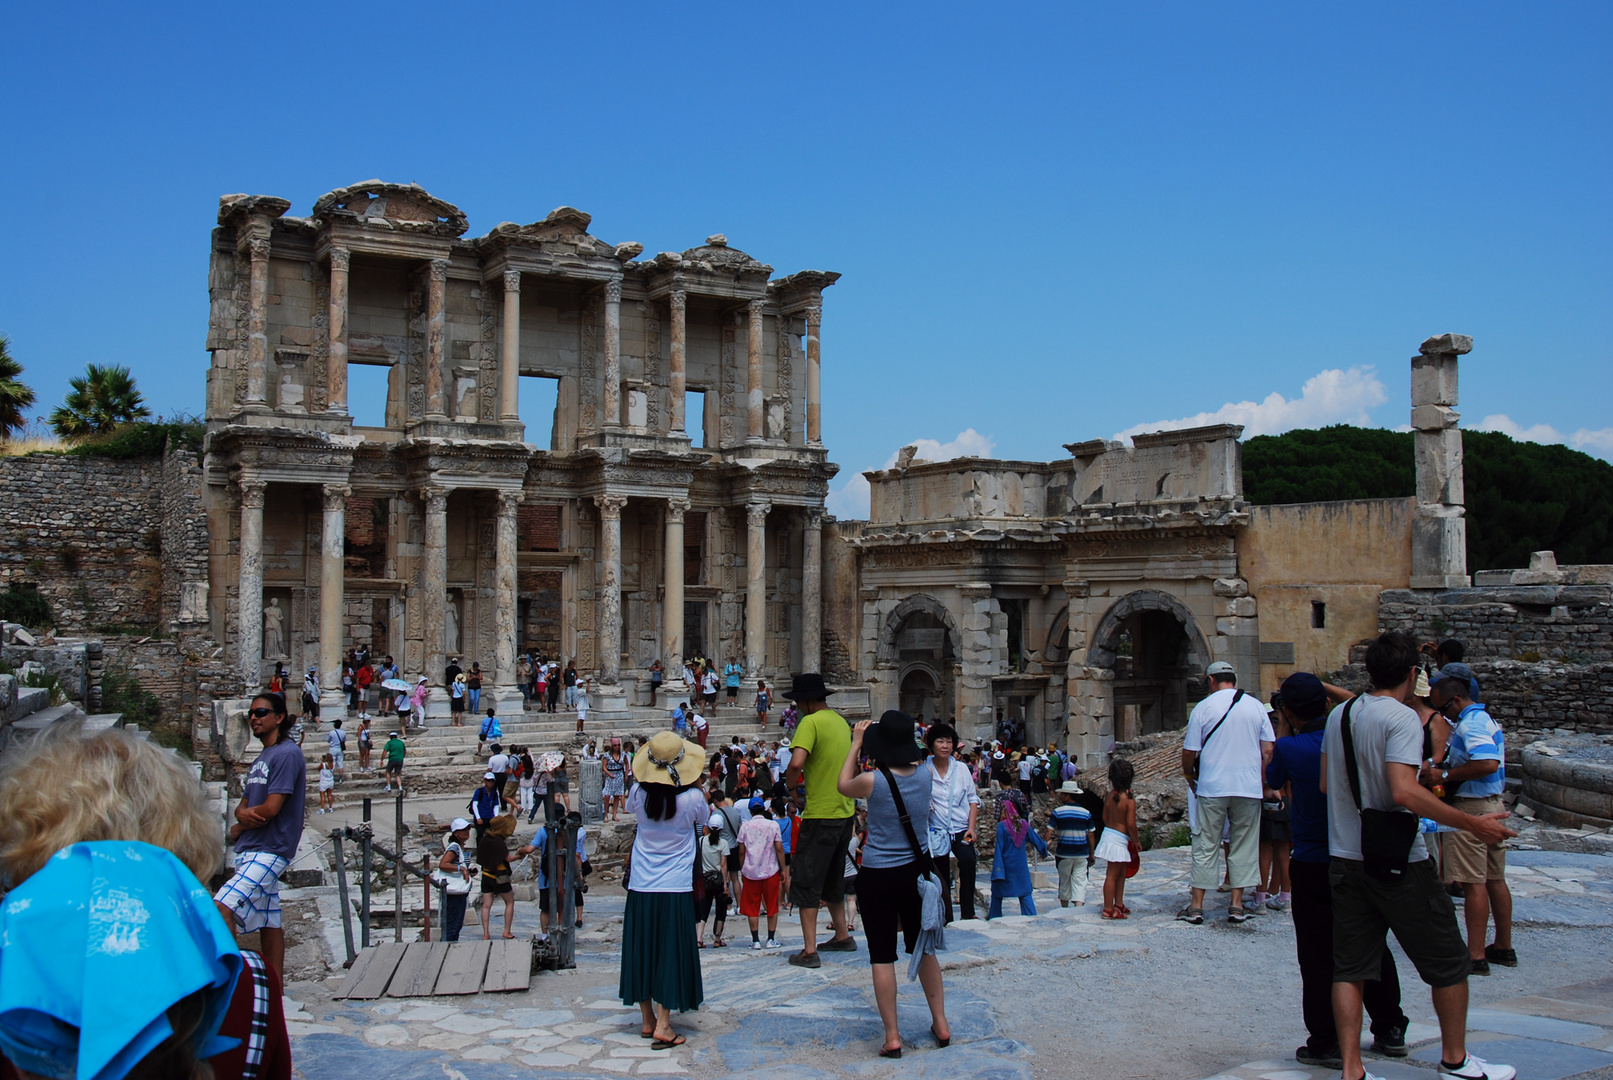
column 660, row 959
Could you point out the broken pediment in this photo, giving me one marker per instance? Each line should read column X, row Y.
column 402, row 206
column 233, row 207
column 566, row 228
column 716, row 256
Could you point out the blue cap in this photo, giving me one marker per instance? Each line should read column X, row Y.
column 1454, row 670
column 1303, row 691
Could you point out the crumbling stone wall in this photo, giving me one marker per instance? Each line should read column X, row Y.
column 183, row 539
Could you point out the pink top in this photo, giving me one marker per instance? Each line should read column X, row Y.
column 759, row 834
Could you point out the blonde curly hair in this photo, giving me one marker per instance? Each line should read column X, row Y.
column 65, row 787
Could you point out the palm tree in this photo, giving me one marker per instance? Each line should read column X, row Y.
column 102, row 399
column 14, row 396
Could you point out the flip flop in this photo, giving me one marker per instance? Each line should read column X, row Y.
column 667, row 1044
column 650, row 1034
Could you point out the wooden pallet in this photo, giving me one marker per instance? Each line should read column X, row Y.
column 438, row 969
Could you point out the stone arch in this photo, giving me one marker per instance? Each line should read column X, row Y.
column 1056, row 650
column 913, row 605
column 1101, row 654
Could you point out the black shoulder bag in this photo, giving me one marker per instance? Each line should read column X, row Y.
column 920, row 856
column 1237, row 695
column 1386, row 835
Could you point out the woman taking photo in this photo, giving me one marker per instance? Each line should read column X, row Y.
column 660, row 960
column 888, row 883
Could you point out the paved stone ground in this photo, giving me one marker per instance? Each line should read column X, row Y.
column 1059, row 995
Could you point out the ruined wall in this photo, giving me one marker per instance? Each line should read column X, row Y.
column 842, row 604
column 1337, row 554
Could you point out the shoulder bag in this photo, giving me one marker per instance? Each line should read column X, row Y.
column 1386, row 835
column 1237, row 696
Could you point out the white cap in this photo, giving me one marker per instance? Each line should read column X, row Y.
column 715, row 821
column 457, row 824
column 489, row 776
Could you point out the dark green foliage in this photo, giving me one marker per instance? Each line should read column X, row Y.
column 146, row 439
column 22, row 603
column 14, row 396
column 101, row 400
column 122, row 693
column 1521, row 497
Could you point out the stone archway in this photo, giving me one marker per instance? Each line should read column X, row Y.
column 917, row 604
column 1150, row 648
column 919, row 641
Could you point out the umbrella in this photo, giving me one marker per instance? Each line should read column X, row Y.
column 396, row 684
column 549, row 761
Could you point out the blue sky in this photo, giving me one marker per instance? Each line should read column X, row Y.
column 1055, row 222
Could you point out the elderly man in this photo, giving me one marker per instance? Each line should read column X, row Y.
column 1473, row 773
column 1227, row 747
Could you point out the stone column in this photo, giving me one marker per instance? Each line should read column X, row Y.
column 257, row 324
column 610, row 587
column 672, row 594
column 331, row 553
column 505, row 585
column 753, row 371
column 1439, row 529
column 434, row 581
column 437, row 279
column 755, row 588
column 249, row 602
column 612, row 399
column 336, row 364
column 679, row 304
column 978, row 662
column 509, row 376
column 814, row 433
column 812, row 592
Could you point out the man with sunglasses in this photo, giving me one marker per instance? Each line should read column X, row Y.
column 268, row 826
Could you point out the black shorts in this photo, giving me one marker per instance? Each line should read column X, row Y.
column 733, row 692
column 1417, row 909
column 818, row 861
column 736, row 860
column 849, row 886
column 1275, row 832
column 395, row 767
column 888, row 897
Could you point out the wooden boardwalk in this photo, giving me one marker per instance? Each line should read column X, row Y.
column 438, row 969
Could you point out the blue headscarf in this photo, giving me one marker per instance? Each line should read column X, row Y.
column 95, row 947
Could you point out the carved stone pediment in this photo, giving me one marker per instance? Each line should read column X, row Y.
column 407, row 207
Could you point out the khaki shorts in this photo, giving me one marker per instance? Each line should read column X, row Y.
column 1465, row 858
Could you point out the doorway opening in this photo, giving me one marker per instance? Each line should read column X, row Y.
column 538, row 406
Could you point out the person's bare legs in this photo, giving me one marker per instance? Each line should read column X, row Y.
column 934, row 994
column 509, row 915
column 885, row 998
column 487, row 916
column 1476, row 905
column 274, row 948
column 1501, row 908
column 1450, row 1005
column 809, row 932
column 1347, row 1020
column 837, row 920
column 647, row 1011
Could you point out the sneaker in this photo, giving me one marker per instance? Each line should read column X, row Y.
column 1329, row 1058
column 773, row 943
column 1480, row 967
column 1192, row 915
column 1278, row 902
column 806, row 960
column 1477, row 1069
column 756, row 945
column 1391, row 1043
column 1505, row 957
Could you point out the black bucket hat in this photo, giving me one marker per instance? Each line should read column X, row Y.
column 890, row 741
column 808, row 686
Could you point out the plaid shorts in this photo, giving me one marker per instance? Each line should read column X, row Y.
column 253, row 893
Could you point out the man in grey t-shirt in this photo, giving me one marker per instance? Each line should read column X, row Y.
column 1388, row 740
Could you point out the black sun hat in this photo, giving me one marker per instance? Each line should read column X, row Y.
column 890, row 741
column 808, row 686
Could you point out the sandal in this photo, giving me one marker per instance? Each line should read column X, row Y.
column 1191, row 915
column 895, row 1053
column 1237, row 915
column 1111, row 913
column 667, row 1044
column 1124, row 910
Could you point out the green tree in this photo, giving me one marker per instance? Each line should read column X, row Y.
column 14, row 396
column 102, row 399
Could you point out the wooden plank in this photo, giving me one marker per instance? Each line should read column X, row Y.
column 361, row 964
column 417, row 973
column 509, row 966
column 462, row 970
column 379, row 973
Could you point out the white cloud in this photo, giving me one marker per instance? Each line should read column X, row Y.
column 851, row 500
column 1598, row 443
column 1329, row 397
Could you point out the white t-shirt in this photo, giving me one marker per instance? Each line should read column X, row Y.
column 1384, row 730
column 1025, row 767
column 498, row 763
column 663, row 851
column 1229, row 767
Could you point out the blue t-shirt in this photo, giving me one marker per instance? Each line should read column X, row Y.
column 280, row 770
column 1071, row 824
column 1477, row 737
column 1296, row 760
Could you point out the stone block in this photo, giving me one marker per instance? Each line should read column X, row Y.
column 1244, row 607
column 1438, row 548
column 1230, row 587
column 1434, row 417
column 1446, row 345
column 1439, row 466
column 1433, row 380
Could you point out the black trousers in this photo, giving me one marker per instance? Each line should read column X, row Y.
column 967, row 861
column 1313, row 938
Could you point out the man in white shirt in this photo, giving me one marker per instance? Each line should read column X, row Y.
column 1224, row 755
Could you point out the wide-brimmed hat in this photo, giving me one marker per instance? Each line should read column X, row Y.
column 890, row 741
column 810, row 686
column 503, row 825
column 668, row 758
column 1070, row 787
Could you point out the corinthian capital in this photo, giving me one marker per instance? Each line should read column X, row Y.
column 435, row 497
column 339, row 258
column 512, row 281
column 613, row 290
column 438, row 269
column 336, row 497
column 610, row 506
column 508, row 501
column 679, row 300
column 753, row 310
column 814, row 518
column 252, row 494
column 756, row 514
column 676, row 508
column 258, row 248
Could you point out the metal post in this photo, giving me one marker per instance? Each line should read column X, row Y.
column 341, row 884
column 566, row 897
column 364, row 883
column 397, row 872
column 425, row 887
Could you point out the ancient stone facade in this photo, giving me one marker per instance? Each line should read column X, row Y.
column 611, row 539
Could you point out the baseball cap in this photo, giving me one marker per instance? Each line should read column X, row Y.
column 1302, row 691
column 1454, row 670
column 489, row 776
column 457, row 824
column 1221, row 667
column 715, row 821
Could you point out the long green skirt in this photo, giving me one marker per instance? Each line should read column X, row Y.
column 660, row 957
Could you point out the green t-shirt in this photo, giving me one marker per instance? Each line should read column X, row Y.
column 826, row 737
column 394, row 750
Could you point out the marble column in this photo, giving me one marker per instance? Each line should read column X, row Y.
column 672, row 594
column 753, row 370
column 331, row 553
column 814, row 433
column 610, row 587
column 1439, row 526
column 679, row 303
column 509, row 375
column 612, row 399
column 505, row 585
column 336, row 364
column 437, row 280
column 755, row 588
column 249, row 602
column 812, row 592
column 257, row 323
column 434, row 582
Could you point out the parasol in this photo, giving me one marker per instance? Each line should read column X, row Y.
column 396, row 684
column 549, row 761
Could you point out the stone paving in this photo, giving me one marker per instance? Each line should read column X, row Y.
column 764, row 1019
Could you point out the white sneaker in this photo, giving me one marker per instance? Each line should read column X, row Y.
column 757, row 945
column 773, row 943
column 1476, row 1069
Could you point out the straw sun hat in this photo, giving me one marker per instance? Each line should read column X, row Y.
column 666, row 758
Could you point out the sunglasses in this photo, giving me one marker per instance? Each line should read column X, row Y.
column 260, row 713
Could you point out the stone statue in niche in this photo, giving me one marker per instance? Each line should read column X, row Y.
column 452, row 634
column 274, row 637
